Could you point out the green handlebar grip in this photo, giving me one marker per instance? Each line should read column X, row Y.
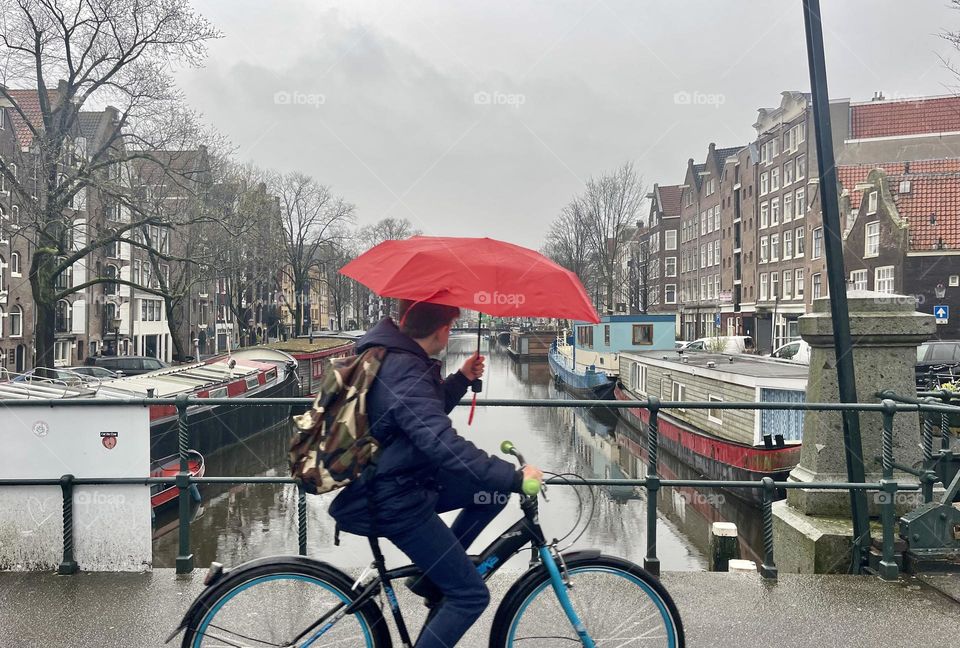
column 506, row 447
column 531, row 486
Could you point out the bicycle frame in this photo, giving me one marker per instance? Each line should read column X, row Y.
column 525, row 531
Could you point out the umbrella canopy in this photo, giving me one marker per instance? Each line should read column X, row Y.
column 481, row 274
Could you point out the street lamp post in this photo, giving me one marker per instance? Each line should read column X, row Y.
column 115, row 325
column 940, row 291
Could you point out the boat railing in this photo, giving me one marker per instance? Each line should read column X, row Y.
column 887, row 487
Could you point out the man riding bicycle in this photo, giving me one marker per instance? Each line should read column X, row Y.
column 424, row 468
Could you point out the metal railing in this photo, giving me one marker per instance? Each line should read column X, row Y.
column 890, row 406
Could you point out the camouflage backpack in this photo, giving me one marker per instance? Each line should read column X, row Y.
column 333, row 443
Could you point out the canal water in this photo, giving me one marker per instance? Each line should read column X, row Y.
column 241, row 522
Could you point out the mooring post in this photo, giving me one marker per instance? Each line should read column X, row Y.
column 888, row 565
column 650, row 562
column 724, row 545
column 69, row 564
column 301, row 520
column 184, row 557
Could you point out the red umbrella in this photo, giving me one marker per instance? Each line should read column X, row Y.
column 481, row 274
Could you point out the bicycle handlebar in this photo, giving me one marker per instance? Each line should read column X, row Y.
column 531, row 487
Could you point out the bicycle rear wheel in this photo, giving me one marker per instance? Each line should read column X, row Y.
column 273, row 604
column 619, row 603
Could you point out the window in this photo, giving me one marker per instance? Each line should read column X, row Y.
column 642, row 334
column 787, row 206
column 670, row 240
column 679, row 392
column 716, row 251
column 798, row 283
column 801, row 167
column 954, row 280
column 787, row 283
column 764, row 249
column 585, row 336
column 787, row 244
column 670, row 267
column 3, row 275
column 112, row 288
column 788, row 170
column 638, row 377
column 775, row 179
column 764, row 215
column 774, row 285
column 151, row 311
column 715, row 415
column 670, row 293
column 15, row 215
column 703, row 223
column 764, row 183
column 63, row 320
column 16, row 322
column 703, row 255
column 763, row 286
column 817, row 286
column 858, row 280
column 775, row 211
column 15, row 264
column 800, row 207
column 710, row 257
column 871, row 242
column 872, row 203
column 817, row 243
column 883, row 279
column 774, row 247
column 798, row 241
column 606, row 335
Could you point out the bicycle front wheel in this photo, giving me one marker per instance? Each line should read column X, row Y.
column 273, row 605
column 619, row 603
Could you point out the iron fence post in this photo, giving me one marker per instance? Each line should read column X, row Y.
column 945, row 422
column 768, row 569
column 301, row 520
column 184, row 557
column 926, row 481
column 69, row 564
column 650, row 562
column 888, row 490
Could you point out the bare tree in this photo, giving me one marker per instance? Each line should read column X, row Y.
column 567, row 242
column 311, row 217
column 609, row 206
column 67, row 56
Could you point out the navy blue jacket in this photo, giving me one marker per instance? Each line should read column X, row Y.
column 407, row 407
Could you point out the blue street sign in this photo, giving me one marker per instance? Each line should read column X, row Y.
column 716, row 320
column 942, row 313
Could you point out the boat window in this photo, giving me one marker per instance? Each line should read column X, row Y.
column 606, row 335
column 585, row 336
column 715, row 415
column 643, row 334
column 252, row 381
column 789, row 423
column 639, row 377
column 219, row 392
column 679, row 391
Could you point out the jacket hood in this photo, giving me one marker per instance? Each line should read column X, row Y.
column 385, row 333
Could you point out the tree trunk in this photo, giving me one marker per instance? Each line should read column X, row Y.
column 45, row 307
column 170, row 305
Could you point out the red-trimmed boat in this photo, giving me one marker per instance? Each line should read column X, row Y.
column 718, row 443
column 163, row 494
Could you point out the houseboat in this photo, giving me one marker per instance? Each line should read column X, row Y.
column 530, row 344
column 313, row 356
column 719, row 443
column 588, row 364
column 247, row 373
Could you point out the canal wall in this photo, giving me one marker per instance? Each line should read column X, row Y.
column 111, row 522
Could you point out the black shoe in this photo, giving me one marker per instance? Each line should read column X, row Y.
column 425, row 589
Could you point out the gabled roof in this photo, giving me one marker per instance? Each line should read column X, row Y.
column 29, row 103
column 88, row 123
column 931, row 207
column 669, row 199
column 905, row 117
column 723, row 153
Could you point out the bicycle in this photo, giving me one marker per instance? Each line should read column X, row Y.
column 598, row 600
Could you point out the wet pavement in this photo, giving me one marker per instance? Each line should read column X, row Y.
column 90, row 610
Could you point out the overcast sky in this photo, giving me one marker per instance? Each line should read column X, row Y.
column 483, row 118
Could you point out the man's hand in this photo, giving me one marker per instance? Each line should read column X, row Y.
column 532, row 472
column 473, row 367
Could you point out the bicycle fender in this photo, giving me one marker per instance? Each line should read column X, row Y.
column 535, row 572
column 228, row 579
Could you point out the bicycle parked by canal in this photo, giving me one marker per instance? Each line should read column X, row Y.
column 565, row 598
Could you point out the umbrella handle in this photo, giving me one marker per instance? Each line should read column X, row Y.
column 473, row 408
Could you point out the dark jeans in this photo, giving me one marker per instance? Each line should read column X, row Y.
column 441, row 552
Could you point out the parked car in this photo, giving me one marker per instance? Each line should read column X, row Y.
column 722, row 344
column 128, row 365
column 797, row 351
column 58, row 375
column 937, row 362
column 93, row 371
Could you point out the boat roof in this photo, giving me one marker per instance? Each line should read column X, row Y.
column 724, row 366
column 304, row 345
column 182, row 379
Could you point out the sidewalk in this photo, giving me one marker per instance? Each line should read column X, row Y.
column 727, row 610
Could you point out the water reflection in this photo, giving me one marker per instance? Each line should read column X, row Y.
column 236, row 523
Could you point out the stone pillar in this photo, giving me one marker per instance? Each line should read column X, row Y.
column 812, row 525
